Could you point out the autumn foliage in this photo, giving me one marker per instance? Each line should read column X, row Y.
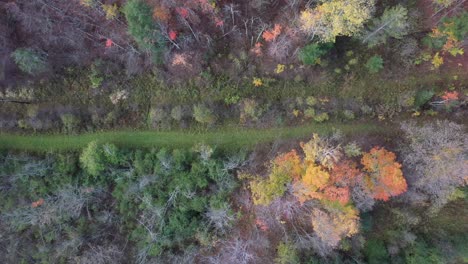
column 271, row 35
column 384, row 177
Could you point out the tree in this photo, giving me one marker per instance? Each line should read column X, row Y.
column 385, row 178
column 287, row 254
column 92, row 159
column 142, row 27
column 374, row 64
column 318, row 150
column 284, row 168
column 435, row 157
column 336, row 18
column 310, row 54
column 333, row 224
column 393, row 23
column 29, row 61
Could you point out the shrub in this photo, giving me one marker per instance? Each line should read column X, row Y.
column 311, row 101
column 367, row 110
column 203, row 114
column 309, row 113
column 70, row 123
column 321, row 117
column 348, row 114
column 249, row 110
column 422, row 97
column 177, row 113
column 352, row 150
column 374, row 64
column 156, row 117
column 95, row 76
column 310, row 54
column 29, row 61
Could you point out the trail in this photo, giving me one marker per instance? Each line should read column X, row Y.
column 228, row 138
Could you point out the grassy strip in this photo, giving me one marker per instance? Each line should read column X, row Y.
column 226, row 138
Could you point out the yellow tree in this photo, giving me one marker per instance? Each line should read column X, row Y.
column 333, row 224
column 335, row 18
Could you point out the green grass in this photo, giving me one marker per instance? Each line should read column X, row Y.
column 228, row 138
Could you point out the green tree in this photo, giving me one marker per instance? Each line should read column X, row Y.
column 92, row 159
column 393, row 23
column 29, row 61
column 310, row 54
column 142, row 27
column 287, row 254
column 374, row 64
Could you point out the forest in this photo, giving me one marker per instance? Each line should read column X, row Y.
column 234, row 131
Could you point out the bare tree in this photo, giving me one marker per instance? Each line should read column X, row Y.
column 435, row 159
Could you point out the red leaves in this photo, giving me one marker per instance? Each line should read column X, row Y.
column 109, row 43
column 219, row 22
column 172, row 35
column 183, row 12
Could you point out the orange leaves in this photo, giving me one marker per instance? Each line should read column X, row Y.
column 385, row 177
column 290, row 163
column 270, row 35
column 450, row 96
column 257, row 49
column 262, row 225
column 161, row 13
column 337, row 194
column 37, row 203
column 345, row 173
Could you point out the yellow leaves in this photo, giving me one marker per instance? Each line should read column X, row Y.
column 332, row 225
column 437, row 60
column 296, row 112
column 309, row 19
column 336, row 18
column 257, row 82
column 311, row 149
column 280, row 68
column 315, row 178
column 87, row 3
column 110, row 10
